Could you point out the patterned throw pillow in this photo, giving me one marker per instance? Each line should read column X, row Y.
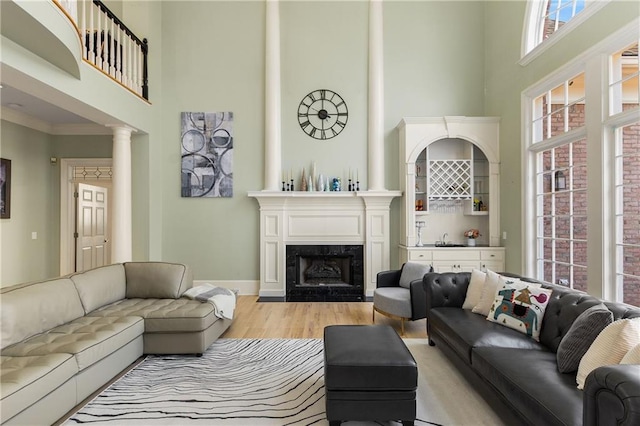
column 581, row 334
column 520, row 305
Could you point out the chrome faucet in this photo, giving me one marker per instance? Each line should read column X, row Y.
column 444, row 238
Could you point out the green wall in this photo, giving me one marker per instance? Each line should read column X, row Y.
column 213, row 60
column 505, row 81
column 35, row 199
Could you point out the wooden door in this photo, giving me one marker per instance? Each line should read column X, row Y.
column 91, row 227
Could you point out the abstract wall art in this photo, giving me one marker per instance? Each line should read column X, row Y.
column 207, row 154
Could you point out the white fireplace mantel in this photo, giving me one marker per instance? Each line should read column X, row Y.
column 309, row 218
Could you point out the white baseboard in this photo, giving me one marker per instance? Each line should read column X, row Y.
column 272, row 293
column 245, row 288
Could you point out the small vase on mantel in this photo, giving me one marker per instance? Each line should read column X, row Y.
column 471, row 242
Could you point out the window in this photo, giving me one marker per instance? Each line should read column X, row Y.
column 562, row 214
column 582, row 163
column 559, row 110
column 546, row 21
column 627, row 190
column 561, row 183
column 624, row 94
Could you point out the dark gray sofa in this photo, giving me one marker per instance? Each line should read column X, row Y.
column 519, row 374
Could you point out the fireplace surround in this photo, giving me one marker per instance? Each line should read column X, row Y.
column 359, row 218
column 325, row 273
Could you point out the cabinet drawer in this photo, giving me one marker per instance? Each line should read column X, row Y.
column 420, row 255
column 492, row 255
column 452, row 254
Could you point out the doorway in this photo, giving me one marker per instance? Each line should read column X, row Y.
column 74, row 171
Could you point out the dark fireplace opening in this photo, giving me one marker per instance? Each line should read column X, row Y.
column 325, row 273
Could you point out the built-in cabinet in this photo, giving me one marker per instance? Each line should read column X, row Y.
column 450, row 174
column 462, row 259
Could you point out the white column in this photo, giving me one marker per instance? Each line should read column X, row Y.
column 121, row 247
column 273, row 145
column 376, row 98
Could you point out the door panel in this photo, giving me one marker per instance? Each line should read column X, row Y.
column 92, row 222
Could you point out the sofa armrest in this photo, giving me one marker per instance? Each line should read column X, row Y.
column 418, row 300
column 388, row 278
column 612, row 396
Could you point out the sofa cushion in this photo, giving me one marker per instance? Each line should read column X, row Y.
column 88, row 339
column 27, row 310
column 412, row 271
column 27, row 379
column 532, row 384
column 164, row 315
column 393, row 300
column 582, row 333
column 464, row 330
column 158, row 280
column 611, row 345
column 519, row 305
column 488, row 294
column 100, row 286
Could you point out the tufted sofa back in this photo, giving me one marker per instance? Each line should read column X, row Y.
column 565, row 304
column 33, row 308
column 564, row 307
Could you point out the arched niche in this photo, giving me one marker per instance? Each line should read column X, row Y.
column 417, row 134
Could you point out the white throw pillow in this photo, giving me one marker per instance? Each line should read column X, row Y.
column 610, row 347
column 633, row 356
column 488, row 294
column 412, row 271
column 474, row 291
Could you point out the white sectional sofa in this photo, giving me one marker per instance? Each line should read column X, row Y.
column 62, row 339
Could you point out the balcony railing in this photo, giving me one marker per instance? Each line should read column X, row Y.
column 109, row 45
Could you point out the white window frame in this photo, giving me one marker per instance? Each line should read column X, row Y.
column 531, row 48
column 599, row 133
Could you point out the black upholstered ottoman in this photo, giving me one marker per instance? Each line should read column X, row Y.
column 369, row 374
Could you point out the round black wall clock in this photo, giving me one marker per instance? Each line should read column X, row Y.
column 322, row 114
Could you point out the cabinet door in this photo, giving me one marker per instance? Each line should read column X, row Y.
column 494, row 265
column 455, row 266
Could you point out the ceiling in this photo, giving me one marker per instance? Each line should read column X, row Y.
column 24, row 103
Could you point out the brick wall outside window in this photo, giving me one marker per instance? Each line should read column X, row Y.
column 576, row 180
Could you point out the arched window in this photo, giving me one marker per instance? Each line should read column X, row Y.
column 548, row 20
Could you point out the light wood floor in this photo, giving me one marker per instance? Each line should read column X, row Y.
column 253, row 319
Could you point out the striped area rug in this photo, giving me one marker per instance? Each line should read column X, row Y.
column 259, row 382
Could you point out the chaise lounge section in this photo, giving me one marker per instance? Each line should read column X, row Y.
column 62, row 339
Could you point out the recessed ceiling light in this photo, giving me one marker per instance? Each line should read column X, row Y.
column 14, row 106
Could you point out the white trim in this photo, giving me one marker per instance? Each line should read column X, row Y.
column 67, row 218
column 26, row 120
column 593, row 62
column 529, row 53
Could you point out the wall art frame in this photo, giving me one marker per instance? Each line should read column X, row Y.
column 206, row 154
column 5, row 188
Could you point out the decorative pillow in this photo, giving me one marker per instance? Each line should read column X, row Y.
column 488, row 294
column 412, row 271
column 633, row 356
column 474, row 291
column 520, row 305
column 581, row 335
column 610, row 347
